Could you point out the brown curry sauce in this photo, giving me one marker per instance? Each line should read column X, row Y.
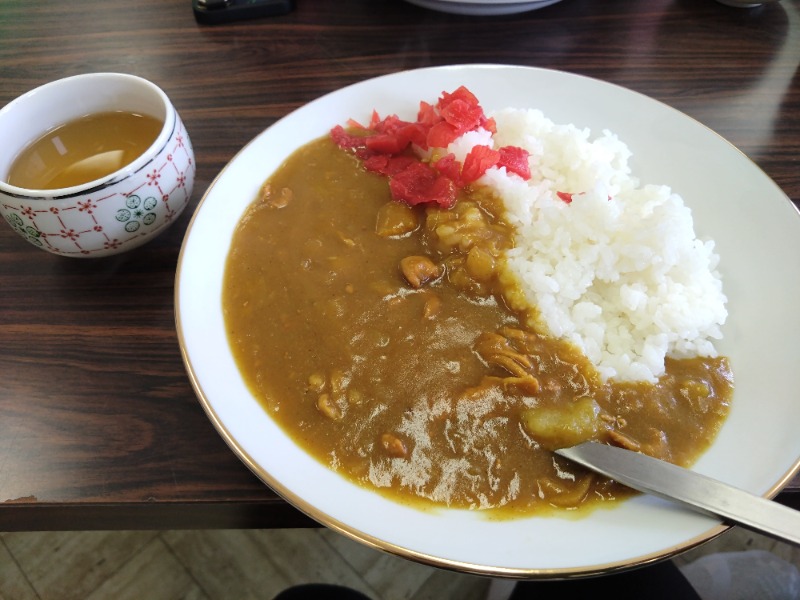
column 379, row 337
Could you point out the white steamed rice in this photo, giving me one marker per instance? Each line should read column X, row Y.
column 619, row 271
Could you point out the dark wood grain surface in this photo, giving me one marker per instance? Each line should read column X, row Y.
column 99, row 427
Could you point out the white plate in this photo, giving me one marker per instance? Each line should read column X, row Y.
column 753, row 222
column 480, row 8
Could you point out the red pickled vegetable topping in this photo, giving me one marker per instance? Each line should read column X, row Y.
column 386, row 146
column 462, row 116
column 427, row 115
column 388, row 165
column 478, row 161
column 441, row 135
column 462, row 110
column 345, row 140
column 418, row 183
column 565, row 196
column 462, row 94
column 449, row 167
column 515, row 160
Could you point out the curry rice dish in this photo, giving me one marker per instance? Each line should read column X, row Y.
column 401, row 317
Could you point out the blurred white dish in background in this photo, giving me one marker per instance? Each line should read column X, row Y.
column 482, row 7
column 745, row 3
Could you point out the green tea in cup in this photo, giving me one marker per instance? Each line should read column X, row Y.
column 83, row 150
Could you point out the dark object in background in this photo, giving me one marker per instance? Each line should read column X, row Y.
column 320, row 591
column 223, row 11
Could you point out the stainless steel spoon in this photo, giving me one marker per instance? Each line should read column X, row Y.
column 705, row 494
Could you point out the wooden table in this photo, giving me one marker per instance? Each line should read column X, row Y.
column 99, row 427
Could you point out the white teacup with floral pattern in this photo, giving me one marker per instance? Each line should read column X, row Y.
column 112, row 214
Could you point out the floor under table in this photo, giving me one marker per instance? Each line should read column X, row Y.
column 243, row 564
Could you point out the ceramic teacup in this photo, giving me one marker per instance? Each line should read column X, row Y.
column 116, row 212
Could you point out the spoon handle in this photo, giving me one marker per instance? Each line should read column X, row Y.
column 704, row 494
